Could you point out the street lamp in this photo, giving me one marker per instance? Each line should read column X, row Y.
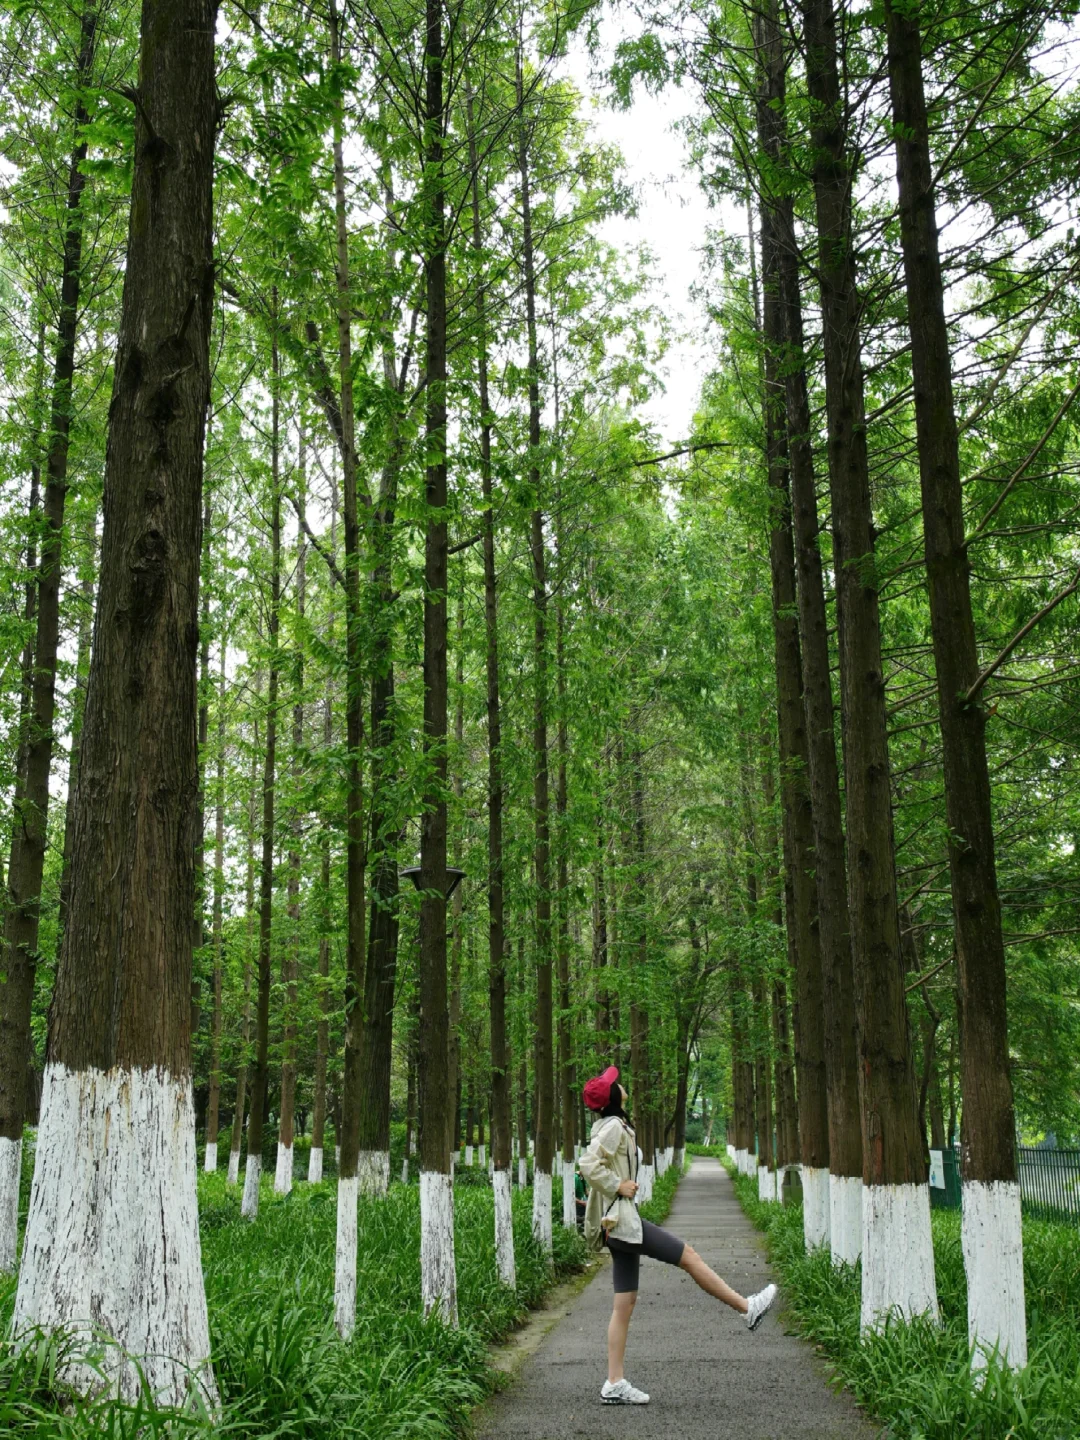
column 454, row 875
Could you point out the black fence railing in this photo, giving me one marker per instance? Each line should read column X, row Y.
column 1049, row 1182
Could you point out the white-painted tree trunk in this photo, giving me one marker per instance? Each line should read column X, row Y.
column 661, row 1163
column 731, row 1152
column 10, row 1174
column 345, row 1258
column 249, row 1205
column 897, row 1255
column 646, row 1177
column 845, row 1218
column 569, row 1210
column 678, row 1158
column 233, row 1177
column 993, row 1243
column 504, row 1229
column 483, row 1156
column 405, row 1170
column 112, row 1237
column 523, row 1172
column 766, row 1184
column 541, row 1216
column 314, row 1165
column 438, row 1269
column 283, row 1175
column 337, row 1157
column 815, row 1203
column 373, row 1172
column 468, row 1155
column 210, row 1158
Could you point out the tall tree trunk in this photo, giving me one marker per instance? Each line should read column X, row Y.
column 237, row 1136
column 348, row 1133
column 456, row 908
column 217, row 936
column 832, row 1200
column 897, row 1252
column 113, row 1224
column 545, row 1079
column 326, row 923
column 438, row 1271
column 566, row 1057
column 522, row 1077
column 260, row 1078
column 78, row 707
column 991, row 1232
column 290, row 967
column 498, row 944
column 29, row 831
column 602, row 1014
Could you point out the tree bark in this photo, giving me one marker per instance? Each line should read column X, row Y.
column 290, row 968
column 113, row 1225
column 260, row 1078
column 29, row 831
column 993, row 1243
column 545, row 1079
column 236, row 1139
column 438, row 1276
column 217, row 937
column 894, row 1276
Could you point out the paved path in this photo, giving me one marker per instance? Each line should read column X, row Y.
column 708, row 1377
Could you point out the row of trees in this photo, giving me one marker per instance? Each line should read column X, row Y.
column 392, row 579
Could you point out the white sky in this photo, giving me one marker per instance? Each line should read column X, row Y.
column 672, row 219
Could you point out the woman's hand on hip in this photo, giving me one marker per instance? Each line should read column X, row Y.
column 629, row 1188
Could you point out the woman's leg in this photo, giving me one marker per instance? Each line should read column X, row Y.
column 709, row 1281
column 618, row 1327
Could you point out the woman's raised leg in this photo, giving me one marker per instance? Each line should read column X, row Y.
column 709, row 1281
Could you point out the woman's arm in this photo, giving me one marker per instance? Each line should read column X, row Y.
column 597, row 1163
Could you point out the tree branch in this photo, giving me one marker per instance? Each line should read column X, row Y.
column 1020, row 634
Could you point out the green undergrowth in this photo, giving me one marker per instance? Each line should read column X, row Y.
column 916, row 1378
column 280, row 1367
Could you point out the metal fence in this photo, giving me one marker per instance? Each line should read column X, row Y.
column 1049, row 1182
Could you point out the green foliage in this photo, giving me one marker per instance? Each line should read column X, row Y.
column 917, row 1378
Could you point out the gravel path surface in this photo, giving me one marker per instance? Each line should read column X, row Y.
column 707, row 1376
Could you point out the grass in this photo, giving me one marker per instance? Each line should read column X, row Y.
column 916, row 1378
column 280, row 1367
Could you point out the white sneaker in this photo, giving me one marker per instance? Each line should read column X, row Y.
column 622, row 1393
column 758, row 1304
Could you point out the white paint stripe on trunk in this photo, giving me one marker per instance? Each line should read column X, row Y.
column 438, row 1268
column 993, row 1243
column 233, row 1177
column 482, row 1150
column 845, row 1218
column 405, row 1170
column 569, row 1209
column 314, row 1165
column 468, row 1154
column 815, row 1202
column 10, row 1174
column 249, row 1205
column 523, row 1172
column 541, row 1216
column 731, row 1152
column 646, row 1178
column 898, row 1254
column 766, row 1184
column 112, row 1239
column 504, row 1229
column 373, row 1172
column 345, row 1258
column 210, row 1157
column 283, row 1175
column 679, row 1158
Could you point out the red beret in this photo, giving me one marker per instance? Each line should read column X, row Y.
column 598, row 1090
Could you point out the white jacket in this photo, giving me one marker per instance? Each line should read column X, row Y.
column 610, row 1159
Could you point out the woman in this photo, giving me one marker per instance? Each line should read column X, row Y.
column 610, row 1167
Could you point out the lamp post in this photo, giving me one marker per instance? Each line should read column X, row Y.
column 454, row 875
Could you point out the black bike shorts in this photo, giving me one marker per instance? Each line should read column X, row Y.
column 657, row 1244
